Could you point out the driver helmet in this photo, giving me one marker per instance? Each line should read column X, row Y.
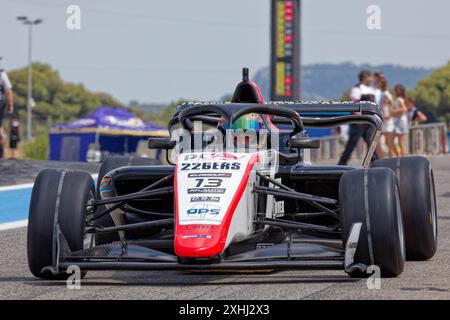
column 245, row 124
column 248, row 122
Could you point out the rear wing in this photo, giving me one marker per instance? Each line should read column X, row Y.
column 331, row 113
column 363, row 107
column 330, row 108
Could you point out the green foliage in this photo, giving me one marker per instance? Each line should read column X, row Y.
column 36, row 149
column 56, row 101
column 161, row 116
column 345, row 95
column 433, row 93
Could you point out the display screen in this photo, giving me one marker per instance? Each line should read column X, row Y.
column 285, row 64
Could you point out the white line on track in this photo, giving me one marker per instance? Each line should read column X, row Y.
column 17, row 187
column 20, row 223
column 28, row 185
column 13, row 225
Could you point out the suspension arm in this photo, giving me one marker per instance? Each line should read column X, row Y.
column 136, row 195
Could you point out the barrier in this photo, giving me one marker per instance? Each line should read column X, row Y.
column 428, row 139
column 423, row 139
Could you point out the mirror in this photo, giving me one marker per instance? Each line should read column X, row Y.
column 304, row 143
column 161, row 143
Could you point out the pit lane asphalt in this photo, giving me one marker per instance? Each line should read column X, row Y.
column 420, row 280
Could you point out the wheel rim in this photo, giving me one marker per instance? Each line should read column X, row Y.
column 400, row 224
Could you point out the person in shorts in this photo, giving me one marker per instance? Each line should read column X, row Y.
column 400, row 114
column 387, row 104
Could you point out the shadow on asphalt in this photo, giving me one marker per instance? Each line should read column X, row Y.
column 179, row 279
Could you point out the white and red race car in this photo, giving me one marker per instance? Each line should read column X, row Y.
column 228, row 204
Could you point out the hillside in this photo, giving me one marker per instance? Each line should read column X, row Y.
column 329, row 81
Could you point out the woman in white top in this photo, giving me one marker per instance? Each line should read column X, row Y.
column 400, row 114
column 387, row 104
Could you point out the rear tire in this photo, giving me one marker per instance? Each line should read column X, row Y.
column 418, row 200
column 108, row 165
column 65, row 193
column 370, row 196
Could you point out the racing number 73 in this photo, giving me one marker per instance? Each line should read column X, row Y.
column 211, row 183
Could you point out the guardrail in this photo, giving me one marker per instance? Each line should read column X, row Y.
column 428, row 139
column 423, row 139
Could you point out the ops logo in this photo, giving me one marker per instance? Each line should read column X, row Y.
column 202, row 210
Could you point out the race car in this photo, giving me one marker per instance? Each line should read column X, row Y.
column 222, row 203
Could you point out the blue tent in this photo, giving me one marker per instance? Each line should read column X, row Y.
column 108, row 129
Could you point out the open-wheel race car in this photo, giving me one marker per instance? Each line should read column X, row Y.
column 223, row 203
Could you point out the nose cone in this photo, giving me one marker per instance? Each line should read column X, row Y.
column 198, row 241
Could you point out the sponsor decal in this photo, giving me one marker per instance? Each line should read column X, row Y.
column 205, row 199
column 352, row 244
column 225, row 156
column 260, row 246
column 187, row 166
column 209, row 175
column 206, row 190
column 213, row 156
column 279, row 207
column 199, row 226
column 203, row 211
column 197, row 236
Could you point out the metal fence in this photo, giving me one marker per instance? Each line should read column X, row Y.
column 424, row 139
column 428, row 139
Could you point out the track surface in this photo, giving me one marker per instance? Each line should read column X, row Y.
column 420, row 280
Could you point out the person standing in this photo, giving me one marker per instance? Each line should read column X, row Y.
column 361, row 92
column 387, row 104
column 6, row 103
column 415, row 116
column 14, row 135
column 378, row 78
column 400, row 114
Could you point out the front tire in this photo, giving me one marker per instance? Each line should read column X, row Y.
column 58, row 196
column 370, row 196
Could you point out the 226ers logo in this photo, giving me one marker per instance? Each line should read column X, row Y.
column 210, row 166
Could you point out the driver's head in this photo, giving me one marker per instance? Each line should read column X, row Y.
column 246, row 129
column 247, row 122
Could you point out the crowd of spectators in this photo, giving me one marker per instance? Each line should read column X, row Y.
column 399, row 113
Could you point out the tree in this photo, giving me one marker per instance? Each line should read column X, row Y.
column 56, row 101
column 433, row 93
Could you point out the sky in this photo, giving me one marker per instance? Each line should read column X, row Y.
column 162, row 50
